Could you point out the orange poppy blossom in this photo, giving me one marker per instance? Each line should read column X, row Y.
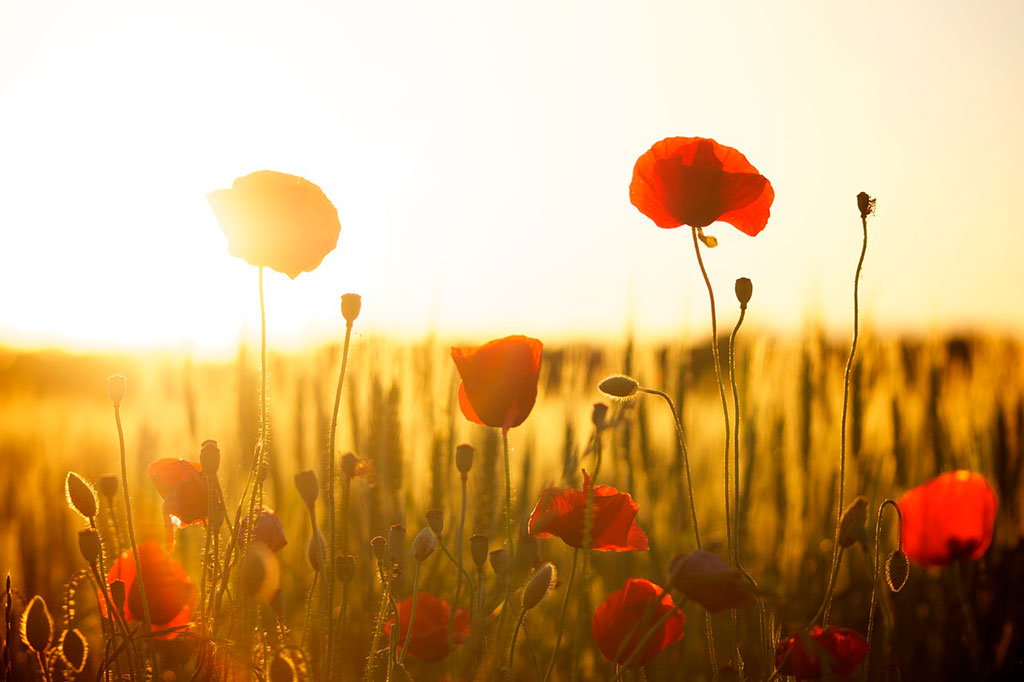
column 280, row 221
column 560, row 513
column 499, row 380
column 169, row 591
column 696, row 181
column 845, row 649
column 429, row 641
column 948, row 518
column 625, row 617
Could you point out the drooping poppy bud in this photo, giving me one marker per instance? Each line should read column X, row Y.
column 269, row 530
column 478, row 546
column 619, row 386
column 424, row 544
column 704, row 577
column 117, row 384
column 80, row 495
column 897, row 570
column 74, row 649
column 852, row 522
column 351, row 305
column 538, row 586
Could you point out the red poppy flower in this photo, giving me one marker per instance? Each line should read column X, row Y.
column 183, row 487
column 278, row 220
column 429, row 640
column 560, row 512
column 269, row 530
column 499, row 380
column 170, row 593
column 704, row 577
column 696, row 181
column 625, row 617
column 948, row 518
column 844, row 650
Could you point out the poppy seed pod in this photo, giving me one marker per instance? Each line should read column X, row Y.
column 478, row 550
column 117, row 384
column 499, row 561
column 117, row 594
column 309, row 490
column 424, row 544
column 80, row 495
column 851, row 523
column 396, row 541
column 866, row 204
column 435, row 519
column 619, row 386
column 209, row 457
column 345, row 567
column 349, row 464
column 351, row 305
column 36, row 625
column 89, row 545
column 464, row 458
column 744, row 290
column 108, row 485
column 599, row 415
column 379, row 545
column 538, row 586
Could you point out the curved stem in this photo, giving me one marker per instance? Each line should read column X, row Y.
column 515, row 636
column 561, row 618
column 874, row 574
column 826, row 607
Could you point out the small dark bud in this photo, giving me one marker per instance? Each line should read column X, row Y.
column 499, row 561
column 89, row 545
column 424, row 544
column 478, row 550
column 464, row 458
column 209, row 458
column 117, row 384
column 108, row 485
column 599, row 415
column 619, row 386
column 897, row 570
column 866, row 204
column 349, row 464
column 435, row 519
column 36, row 625
column 852, row 523
column 117, row 594
column 345, row 567
column 351, row 304
column 744, row 290
column 80, row 495
column 380, row 547
column 309, row 490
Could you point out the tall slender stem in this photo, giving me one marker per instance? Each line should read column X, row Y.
column 412, row 612
column 458, row 579
column 874, row 574
column 507, row 608
column 561, row 618
column 842, row 429
column 515, row 636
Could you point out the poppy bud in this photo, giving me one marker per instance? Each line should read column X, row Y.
column 866, row 204
column 80, row 495
column 351, row 304
column 379, row 545
column 709, row 241
column 36, row 625
column 424, row 544
column 117, row 594
column 499, row 561
column 74, row 649
column 89, row 545
column 744, row 290
column 281, row 669
column 349, row 464
column 619, row 386
column 117, row 384
column 345, row 567
column 538, row 586
column 396, row 541
column 108, row 484
column 599, row 415
column 305, row 481
column 435, row 519
column 851, row 523
column 209, row 458
column 897, row 570
column 478, row 550
column 316, row 549
column 464, row 458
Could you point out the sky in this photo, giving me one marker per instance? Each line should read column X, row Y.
column 479, row 155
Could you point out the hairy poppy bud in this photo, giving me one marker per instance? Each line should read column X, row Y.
column 851, row 523
column 345, row 567
column 866, row 204
column 499, row 561
column 36, row 625
column 424, row 544
column 478, row 550
column 117, row 384
column 538, row 586
column 108, row 484
column 80, row 495
column 209, row 457
column 281, row 669
column 897, row 570
column 89, row 545
column 349, row 464
column 464, row 458
column 435, row 519
column 117, row 594
column 619, row 386
column 74, row 649
column 598, row 415
column 305, row 481
column 316, row 550
column 396, row 541
column 379, row 545
column 351, row 304
column 744, row 290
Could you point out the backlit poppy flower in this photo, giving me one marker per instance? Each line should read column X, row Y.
column 696, row 181
column 948, row 518
column 560, row 513
column 429, row 640
column 169, row 592
column 625, row 618
column 183, row 487
column 277, row 220
column 269, row 530
column 844, row 650
column 704, row 577
column 499, row 380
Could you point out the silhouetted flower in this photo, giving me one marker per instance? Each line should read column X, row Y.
column 429, row 641
column 845, row 649
column 183, row 488
column 269, row 530
column 625, row 617
column 499, row 380
column 704, row 577
column 948, row 518
column 277, row 220
column 169, row 592
column 696, row 181
column 560, row 512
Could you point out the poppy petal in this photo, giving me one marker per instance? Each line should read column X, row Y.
column 499, row 380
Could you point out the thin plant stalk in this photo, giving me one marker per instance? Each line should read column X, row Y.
column 458, row 578
column 836, row 553
column 515, row 636
column 874, row 573
column 588, row 530
column 508, row 511
column 968, row 614
column 561, row 618
column 378, row 625
column 412, row 613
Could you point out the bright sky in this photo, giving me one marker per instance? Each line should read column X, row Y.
column 480, row 153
